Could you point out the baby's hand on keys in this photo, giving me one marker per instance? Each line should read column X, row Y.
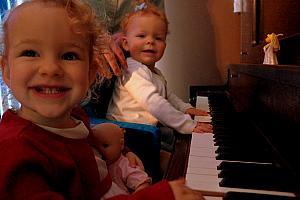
column 196, row 112
column 203, row 128
column 182, row 192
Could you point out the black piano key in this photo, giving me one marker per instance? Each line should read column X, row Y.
column 248, row 166
column 257, row 184
column 253, row 196
column 219, row 141
column 235, row 149
column 243, row 157
column 256, row 176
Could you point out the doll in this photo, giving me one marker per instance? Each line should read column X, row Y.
column 110, row 142
column 271, row 49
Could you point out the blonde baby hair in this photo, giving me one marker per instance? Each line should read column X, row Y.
column 140, row 8
column 273, row 41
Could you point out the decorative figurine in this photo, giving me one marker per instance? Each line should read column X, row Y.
column 271, row 49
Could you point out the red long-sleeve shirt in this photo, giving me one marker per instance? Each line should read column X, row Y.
column 37, row 164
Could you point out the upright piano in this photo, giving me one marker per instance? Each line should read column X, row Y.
column 254, row 150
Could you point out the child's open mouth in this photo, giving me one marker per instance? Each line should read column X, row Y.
column 149, row 51
column 50, row 90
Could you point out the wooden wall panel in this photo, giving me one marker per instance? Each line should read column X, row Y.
column 278, row 16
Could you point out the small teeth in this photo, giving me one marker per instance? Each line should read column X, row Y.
column 49, row 90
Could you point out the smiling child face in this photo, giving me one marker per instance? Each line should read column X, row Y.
column 146, row 38
column 47, row 65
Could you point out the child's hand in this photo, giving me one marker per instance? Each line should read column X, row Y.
column 182, row 192
column 134, row 160
column 196, row 112
column 115, row 55
column 203, row 128
column 142, row 186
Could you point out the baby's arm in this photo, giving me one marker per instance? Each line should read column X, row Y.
column 142, row 186
column 134, row 178
column 163, row 190
column 134, row 160
column 141, row 88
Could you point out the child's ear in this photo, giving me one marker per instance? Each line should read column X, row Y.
column 124, row 43
column 5, row 70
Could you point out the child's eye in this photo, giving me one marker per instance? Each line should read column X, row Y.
column 70, row 56
column 160, row 38
column 29, row 53
column 141, row 35
column 105, row 145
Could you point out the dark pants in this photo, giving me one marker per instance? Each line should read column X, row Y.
column 167, row 138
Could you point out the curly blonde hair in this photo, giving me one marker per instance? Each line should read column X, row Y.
column 140, row 11
column 272, row 39
column 83, row 21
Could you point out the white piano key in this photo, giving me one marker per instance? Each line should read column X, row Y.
column 202, row 103
column 212, row 198
column 202, row 152
column 202, row 140
column 203, row 162
column 202, row 182
column 211, row 184
column 203, row 118
column 202, row 171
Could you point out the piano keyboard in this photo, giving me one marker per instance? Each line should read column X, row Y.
column 208, row 169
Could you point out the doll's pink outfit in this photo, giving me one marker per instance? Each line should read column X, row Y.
column 125, row 176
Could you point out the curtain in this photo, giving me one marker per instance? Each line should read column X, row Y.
column 7, row 100
column 6, row 5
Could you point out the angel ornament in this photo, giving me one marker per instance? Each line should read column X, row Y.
column 271, row 49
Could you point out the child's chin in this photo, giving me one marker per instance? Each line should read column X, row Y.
column 52, row 113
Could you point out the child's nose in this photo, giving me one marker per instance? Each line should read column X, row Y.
column 50, row 67
column 150, row 40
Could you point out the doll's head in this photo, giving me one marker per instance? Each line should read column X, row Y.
column 110, row 141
